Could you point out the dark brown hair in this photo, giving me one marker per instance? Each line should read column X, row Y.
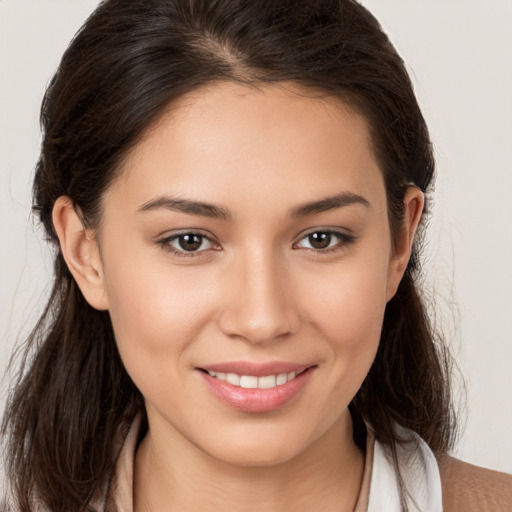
column 130, row 60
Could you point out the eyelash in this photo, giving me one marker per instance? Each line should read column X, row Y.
column 343, row 240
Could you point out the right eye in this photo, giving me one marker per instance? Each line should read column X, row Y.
column 187, row 244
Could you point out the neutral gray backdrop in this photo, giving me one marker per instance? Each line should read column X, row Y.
column 460, row 55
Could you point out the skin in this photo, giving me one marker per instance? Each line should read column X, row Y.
column 257, row 292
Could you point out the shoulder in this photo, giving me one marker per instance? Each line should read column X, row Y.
column 471, row 488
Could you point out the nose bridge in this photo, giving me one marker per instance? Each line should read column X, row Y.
column 261, row 307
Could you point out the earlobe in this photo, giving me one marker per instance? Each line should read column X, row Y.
column 414, row 201
column 80, row 251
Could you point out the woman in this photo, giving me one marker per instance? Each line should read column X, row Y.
column 235, row 190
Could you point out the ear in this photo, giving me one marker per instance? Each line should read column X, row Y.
column 80, row 251
column 414, row 201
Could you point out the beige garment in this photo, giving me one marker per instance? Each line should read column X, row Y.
column 466, row 488
column 364, row 492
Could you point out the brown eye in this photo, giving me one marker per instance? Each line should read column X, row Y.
column 325, row 241
column 187, row 244
column 320, row 240
column 190, row 241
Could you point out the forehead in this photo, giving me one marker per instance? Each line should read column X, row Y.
column 230, row 141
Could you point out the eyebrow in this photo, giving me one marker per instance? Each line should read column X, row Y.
column 219, row 212
column 329, row 203
column 187, row 206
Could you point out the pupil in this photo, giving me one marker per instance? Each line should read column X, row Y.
column 320, row 240
column 190, row 242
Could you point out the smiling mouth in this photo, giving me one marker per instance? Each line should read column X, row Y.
column 252, row 381
column 263, row 392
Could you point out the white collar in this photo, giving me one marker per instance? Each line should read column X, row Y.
column 419, row 471
column 418, row 468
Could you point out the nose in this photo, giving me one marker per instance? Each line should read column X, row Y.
column 261, row 305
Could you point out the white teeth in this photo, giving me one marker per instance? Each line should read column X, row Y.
column 231, row 378
column 248, row 381
column 282, row 378
column 252, row 382
column 266, row 382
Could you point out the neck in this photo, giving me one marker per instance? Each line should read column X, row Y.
column 326, row 476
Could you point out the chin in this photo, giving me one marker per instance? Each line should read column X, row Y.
column 256, row 455
column 260, row 447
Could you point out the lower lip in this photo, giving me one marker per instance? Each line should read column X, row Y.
column 256, row 399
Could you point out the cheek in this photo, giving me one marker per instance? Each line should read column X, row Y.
column 347, row 310
column 155, row 312
column 349, row 304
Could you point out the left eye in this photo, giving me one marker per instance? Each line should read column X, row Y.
column 321, row 240
column 188, row 242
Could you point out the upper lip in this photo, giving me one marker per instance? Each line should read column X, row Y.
column 256, row 369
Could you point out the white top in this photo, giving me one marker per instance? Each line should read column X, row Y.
column 380, row 491
column 420, row 474
column 418, row 468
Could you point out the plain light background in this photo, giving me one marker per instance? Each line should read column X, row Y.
column 459, row 53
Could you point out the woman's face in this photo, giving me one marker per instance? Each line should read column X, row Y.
column 246, row 262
